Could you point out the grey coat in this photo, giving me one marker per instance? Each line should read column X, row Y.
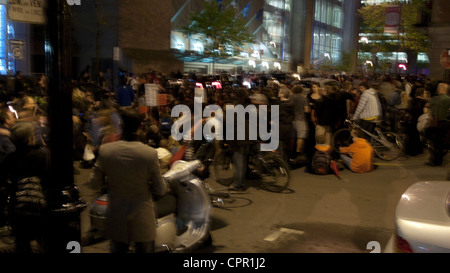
column 132, row 174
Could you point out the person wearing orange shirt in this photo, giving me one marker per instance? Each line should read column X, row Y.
column 359, row 155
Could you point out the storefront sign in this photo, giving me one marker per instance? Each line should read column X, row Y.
column 29, row 11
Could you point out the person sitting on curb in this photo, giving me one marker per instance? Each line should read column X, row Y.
column 359, row 156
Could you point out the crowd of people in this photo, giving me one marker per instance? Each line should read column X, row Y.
column 309, row 115
column 308, row 118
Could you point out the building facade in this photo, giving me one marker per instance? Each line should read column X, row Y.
column 21, row 45
column 290, row 35
column 435, row 23
column 123, row 35
column 439, row 32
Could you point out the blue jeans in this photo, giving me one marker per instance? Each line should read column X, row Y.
column 347, row 160
column 240, row 157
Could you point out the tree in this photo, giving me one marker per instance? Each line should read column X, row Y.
column 410, row 39
column 220, row 28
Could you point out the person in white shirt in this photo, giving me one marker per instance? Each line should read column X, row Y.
column 369, row 110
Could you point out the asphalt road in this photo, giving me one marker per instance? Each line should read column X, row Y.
column 320, row 214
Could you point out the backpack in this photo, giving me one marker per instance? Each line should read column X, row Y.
column 321, row 163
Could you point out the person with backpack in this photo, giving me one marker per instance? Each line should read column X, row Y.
column 359, row 156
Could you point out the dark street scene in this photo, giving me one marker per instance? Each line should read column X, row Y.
column 224, row 127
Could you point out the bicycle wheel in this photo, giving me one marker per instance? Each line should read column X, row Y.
column 274, row 173
column 342, row 138
column 223, row 168
column 230, row 202
column 390, row 147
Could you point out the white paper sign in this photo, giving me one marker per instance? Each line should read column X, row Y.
column 151, row 94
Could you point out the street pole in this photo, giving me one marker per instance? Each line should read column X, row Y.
column 65, row 205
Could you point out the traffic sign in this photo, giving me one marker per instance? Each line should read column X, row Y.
column 16, row 48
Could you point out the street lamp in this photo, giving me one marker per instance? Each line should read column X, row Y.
column 63, row 221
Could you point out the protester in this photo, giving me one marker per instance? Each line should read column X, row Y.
column 369, row 108
column 287, row 130
column 125, row 94
column 326, row 114
column 28, row 171
column 438, row 133
column 131, row 216
column 359, row 156
column 6, row 148
column 301, row 127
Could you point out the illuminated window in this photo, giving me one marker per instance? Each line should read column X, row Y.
column 327, row 29
column 6, row 32
column 3, row 40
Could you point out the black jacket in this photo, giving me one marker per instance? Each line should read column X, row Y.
column 287, row 110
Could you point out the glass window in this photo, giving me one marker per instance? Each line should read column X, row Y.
column 329, row 14
column 337, row 18
column 317, row 10
column 3, row 40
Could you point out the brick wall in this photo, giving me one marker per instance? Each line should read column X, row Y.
column 144, row 24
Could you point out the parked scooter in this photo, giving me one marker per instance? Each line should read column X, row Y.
column 182, row 229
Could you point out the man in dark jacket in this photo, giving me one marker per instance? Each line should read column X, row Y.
column 326, row 112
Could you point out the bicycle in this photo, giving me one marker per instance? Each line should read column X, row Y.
column 387, row 145
column 269, row 169
column 220, row 198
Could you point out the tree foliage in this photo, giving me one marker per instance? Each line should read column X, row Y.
column 411, row 38
column 220, row 27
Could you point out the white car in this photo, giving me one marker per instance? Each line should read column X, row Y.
column 422, row 219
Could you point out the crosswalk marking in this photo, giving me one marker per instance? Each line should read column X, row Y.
column 274, row 236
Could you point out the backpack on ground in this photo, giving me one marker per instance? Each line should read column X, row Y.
column 321, row 163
